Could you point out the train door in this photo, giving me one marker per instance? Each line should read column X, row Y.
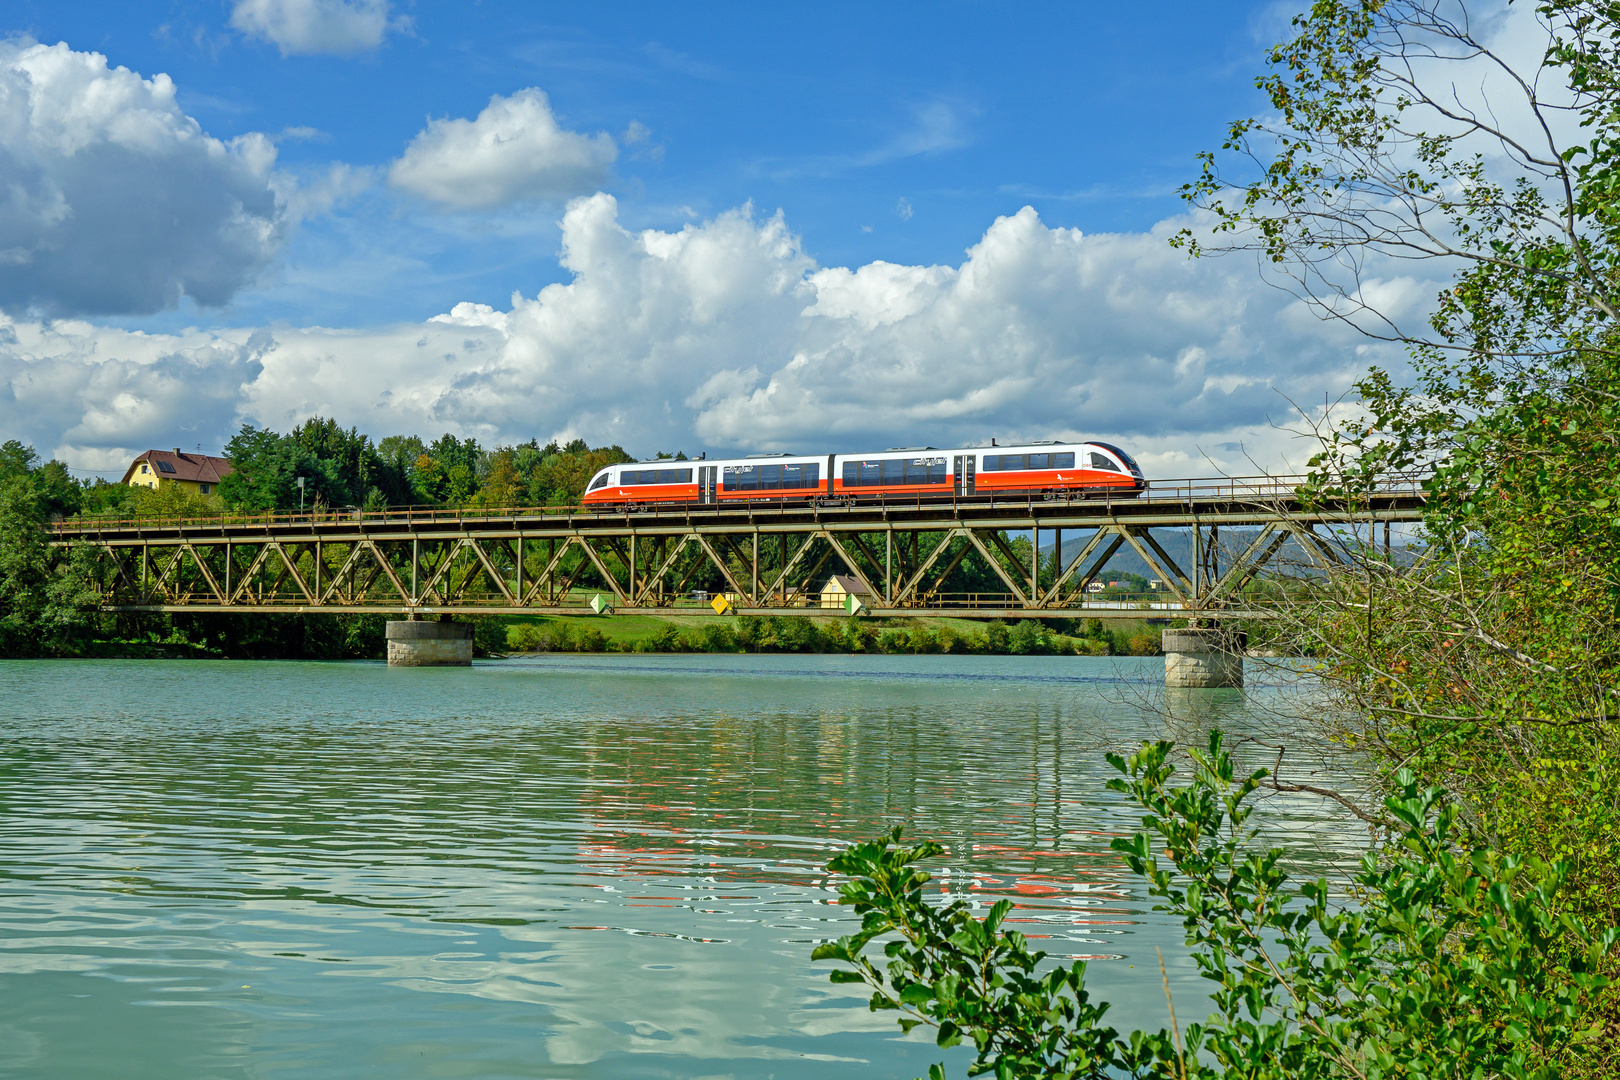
column 706, row 477
column 963, row 473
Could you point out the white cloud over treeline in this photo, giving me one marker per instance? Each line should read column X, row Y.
column 728, row 335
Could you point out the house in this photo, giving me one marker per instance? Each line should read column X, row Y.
column 838, row 590
column 197, row 473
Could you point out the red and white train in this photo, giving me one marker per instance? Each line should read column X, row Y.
column 912, row 471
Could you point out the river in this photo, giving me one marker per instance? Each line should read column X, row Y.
column 564, row 866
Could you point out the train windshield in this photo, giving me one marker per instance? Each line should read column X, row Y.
column 601, row 481
column 1130, row 462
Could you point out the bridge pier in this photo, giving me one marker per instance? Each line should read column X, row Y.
column 1204, row 658
column 429, row 644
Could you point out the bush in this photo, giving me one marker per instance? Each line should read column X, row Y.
column 718, row 637
column 1456, row 963
column 892, row 641
column 1090, row 647
column 590, row 639
column 920, row 639
column 1145, row 643
column 525, row 637
column 1028, row 638
column 996, row 638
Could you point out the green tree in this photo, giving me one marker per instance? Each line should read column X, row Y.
column 46, row 604
column 1492, row 664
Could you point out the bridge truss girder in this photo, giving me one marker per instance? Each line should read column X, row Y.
column 765, row 567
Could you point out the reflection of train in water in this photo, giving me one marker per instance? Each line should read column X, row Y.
column 911, row 471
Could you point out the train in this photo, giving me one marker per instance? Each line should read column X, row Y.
column 1036, row 469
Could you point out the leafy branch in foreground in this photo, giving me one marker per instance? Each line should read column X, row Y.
column 1455, row 963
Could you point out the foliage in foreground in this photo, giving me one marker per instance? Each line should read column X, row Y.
column 1456, row 963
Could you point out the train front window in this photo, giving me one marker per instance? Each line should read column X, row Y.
column 601, row 481
column 1103, row 461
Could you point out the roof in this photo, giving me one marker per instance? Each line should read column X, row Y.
column 173, row 465
column 849, row 585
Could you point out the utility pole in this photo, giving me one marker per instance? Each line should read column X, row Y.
column 300, row 493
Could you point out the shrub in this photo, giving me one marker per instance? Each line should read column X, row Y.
column 920, row 639
column 718, row 637
column 892, row 641
column 1456, row 963
column 590, row 639
column 1090, row 647
column 996, row 637
column 1144, row 643
column 559, row 637
column 1028, row 638
column 525, row 637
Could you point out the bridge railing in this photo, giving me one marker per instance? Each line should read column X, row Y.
column 1258, row 489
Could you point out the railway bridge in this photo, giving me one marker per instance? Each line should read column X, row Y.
column 760, row 557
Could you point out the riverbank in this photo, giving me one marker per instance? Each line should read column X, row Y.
column 360, row 637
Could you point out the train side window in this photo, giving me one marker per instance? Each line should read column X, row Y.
column 811, row 475
column 770, row 477
column 1102, row 461
column 1037, row 461
column 601, row 481
column 1063, row 461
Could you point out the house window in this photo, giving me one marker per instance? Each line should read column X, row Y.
column 145, row 470
column 203, row 488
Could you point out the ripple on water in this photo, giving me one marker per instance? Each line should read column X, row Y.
column 563, row 866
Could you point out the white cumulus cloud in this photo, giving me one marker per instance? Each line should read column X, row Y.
column 113, row 200
column 310, row 27
column 514, row 151
column 727, row 335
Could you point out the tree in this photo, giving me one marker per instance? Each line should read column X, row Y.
column 1490, row 663
column 44, row 608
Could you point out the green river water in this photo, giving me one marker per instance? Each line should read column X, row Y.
column 552, row 867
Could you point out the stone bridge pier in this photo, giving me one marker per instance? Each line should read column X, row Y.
column 445, row 643
column 1204, row 657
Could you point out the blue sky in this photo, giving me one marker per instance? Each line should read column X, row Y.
column 889, row 138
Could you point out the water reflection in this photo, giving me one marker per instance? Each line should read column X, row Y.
column 570, row 866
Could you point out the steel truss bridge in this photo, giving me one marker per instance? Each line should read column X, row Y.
column 771, row 559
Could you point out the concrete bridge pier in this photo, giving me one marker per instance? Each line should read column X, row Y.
column 429, row 644
column 1204, row 657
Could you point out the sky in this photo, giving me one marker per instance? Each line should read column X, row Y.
column 731, row 228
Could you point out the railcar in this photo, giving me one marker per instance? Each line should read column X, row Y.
column 912, row 471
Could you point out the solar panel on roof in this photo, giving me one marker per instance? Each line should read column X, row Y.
column 164, row 466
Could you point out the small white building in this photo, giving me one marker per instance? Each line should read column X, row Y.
column 839, row 588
